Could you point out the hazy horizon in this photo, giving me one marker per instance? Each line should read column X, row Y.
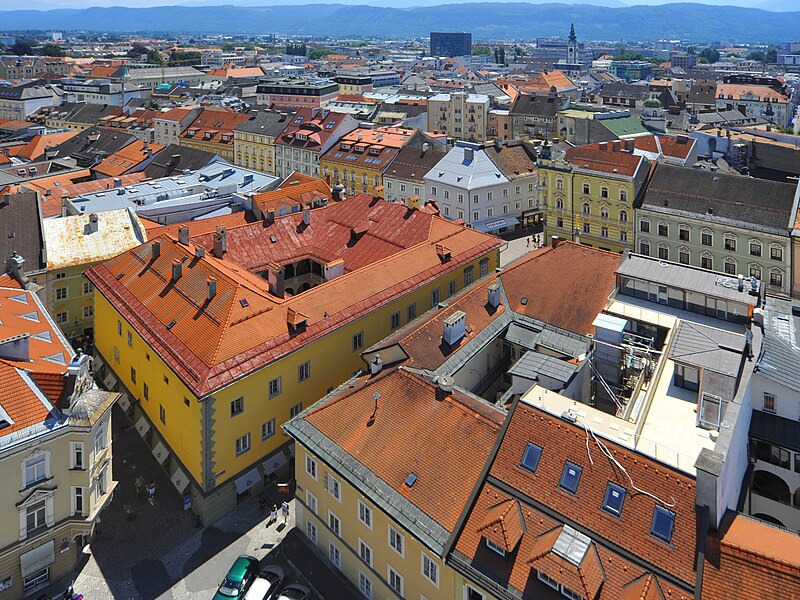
column 774, row 5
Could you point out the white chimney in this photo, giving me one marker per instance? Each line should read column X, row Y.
column 376, row 365
column 469, row 154
column 183, row 236
column 454, row 328
column 494, row 295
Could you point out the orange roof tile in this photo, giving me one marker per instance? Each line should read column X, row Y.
column 210, row 344
column 214, row 125
column 752, row 560
column 504, row 524
column 763, row 92
column 458, row 430
column 125, row 159
column 603, row 158
column 39, row 143
column 291, row 194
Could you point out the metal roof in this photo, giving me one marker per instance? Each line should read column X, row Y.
column 779, row 360
column 73, row 241
column 708, row 348
column 534, row 364
column 456, row 170
column 686, row 277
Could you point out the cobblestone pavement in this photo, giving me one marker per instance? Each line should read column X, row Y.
column 158, row 551
column 518, row 248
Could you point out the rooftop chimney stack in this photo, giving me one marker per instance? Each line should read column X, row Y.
column 177, row 270
column 156, row 247
column 277, row 284
column 212, row 288
column 469, row 155
column 183, row 235
column 375, row 365
column 220, row 242
column 199, row 252
column 306, row 217
column 93, row 222
column 454, row 328
column 494, row 295
column 117, row 182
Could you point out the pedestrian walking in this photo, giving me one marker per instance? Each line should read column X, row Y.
column 139, row 484
column 262, row 506
column 285, row 511
column 528, row 242
column 273, row 516
column 151, row 492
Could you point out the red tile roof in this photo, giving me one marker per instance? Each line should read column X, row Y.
column 214, row 124
column 504, row 524
column 630, row 532
column 210, row 344
column 752, row 560
column 39, row 143
column 291, row 194
column 459, row 432
column 604, row 160
column 125, row 159
column 591, row 280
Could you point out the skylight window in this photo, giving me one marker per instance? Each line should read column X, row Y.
column 411, row 480
column 615, row 498
column 570, row 477
column 663, row 524
column 530, row 459
column 244, row 303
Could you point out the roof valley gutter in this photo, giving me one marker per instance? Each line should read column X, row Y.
column 462, row 519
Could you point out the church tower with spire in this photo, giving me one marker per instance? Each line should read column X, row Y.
column 572, row 46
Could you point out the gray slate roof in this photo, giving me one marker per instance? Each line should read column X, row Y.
column 21, row 231
column 533, row 364
column 779, row 360
column 738, row 201
column 709, row 348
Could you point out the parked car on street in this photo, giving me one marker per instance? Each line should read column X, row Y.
column 266, row 585
column 239, row 578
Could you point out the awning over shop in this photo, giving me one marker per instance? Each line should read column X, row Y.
column 179, row 480
column 142, row 426
column 274, row 463
column 160, row 452
column 246, row 481
column 124, row 401
column 37, row 559
column 488, row 225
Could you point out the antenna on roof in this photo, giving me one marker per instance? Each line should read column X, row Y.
column 376, row 396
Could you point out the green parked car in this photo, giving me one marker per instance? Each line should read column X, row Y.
column 238, row 579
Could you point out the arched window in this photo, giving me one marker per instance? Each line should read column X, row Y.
column 559, row 184
column 559, row 203
column 586, row 208
column 771, row 486
column 623, row 216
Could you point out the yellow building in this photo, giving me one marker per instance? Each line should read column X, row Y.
column 218, row 339
column 73, row 245
column 55, row 448
column 254, row 141
column 459, row 115
column 385, row 467
column 361, row 157
column 212, row 131
column 589, row 196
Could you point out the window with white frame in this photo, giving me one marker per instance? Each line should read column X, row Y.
column 333, row 486
column 275, row 387
column 237, row 406
column 365, row 514
column 396, row 540
column 334, row 555
column 311, row 531
column 100, row 441
column 311, row 466
column 547, row 580
column 77, row 501
column 242, row 444
column 35, row 516
column 395, row 580
column 335, row 524
column 470, row 593
column 76, row 455
column 364, row 552
column 430, row 569
column 311, row 502
column 35, row 469
column 495, row 547
column 295, row 410
column 365, row 586
column 268, row 429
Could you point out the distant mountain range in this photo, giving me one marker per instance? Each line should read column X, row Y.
column 487, row 21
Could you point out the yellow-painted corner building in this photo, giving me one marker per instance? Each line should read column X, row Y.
column 218, row 339
column 590, row 195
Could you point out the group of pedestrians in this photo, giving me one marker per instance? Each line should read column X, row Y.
column 149, row 489
column 273, row 515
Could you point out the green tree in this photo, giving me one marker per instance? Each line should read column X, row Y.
column 771, row 57
column 21, row 48
column 481, row 50
column 154, row 57
column 137, row 49
column 710, row 54
column 318, row 53
column 52, row 50
column 757, row 56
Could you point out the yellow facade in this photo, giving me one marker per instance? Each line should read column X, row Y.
column 356, row 178
column 224, row 150
column 254, row 151
column 332, row 360
column 592, row 209
column 69, row 299
column 362, row 544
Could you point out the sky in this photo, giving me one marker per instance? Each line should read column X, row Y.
column 780, row 5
